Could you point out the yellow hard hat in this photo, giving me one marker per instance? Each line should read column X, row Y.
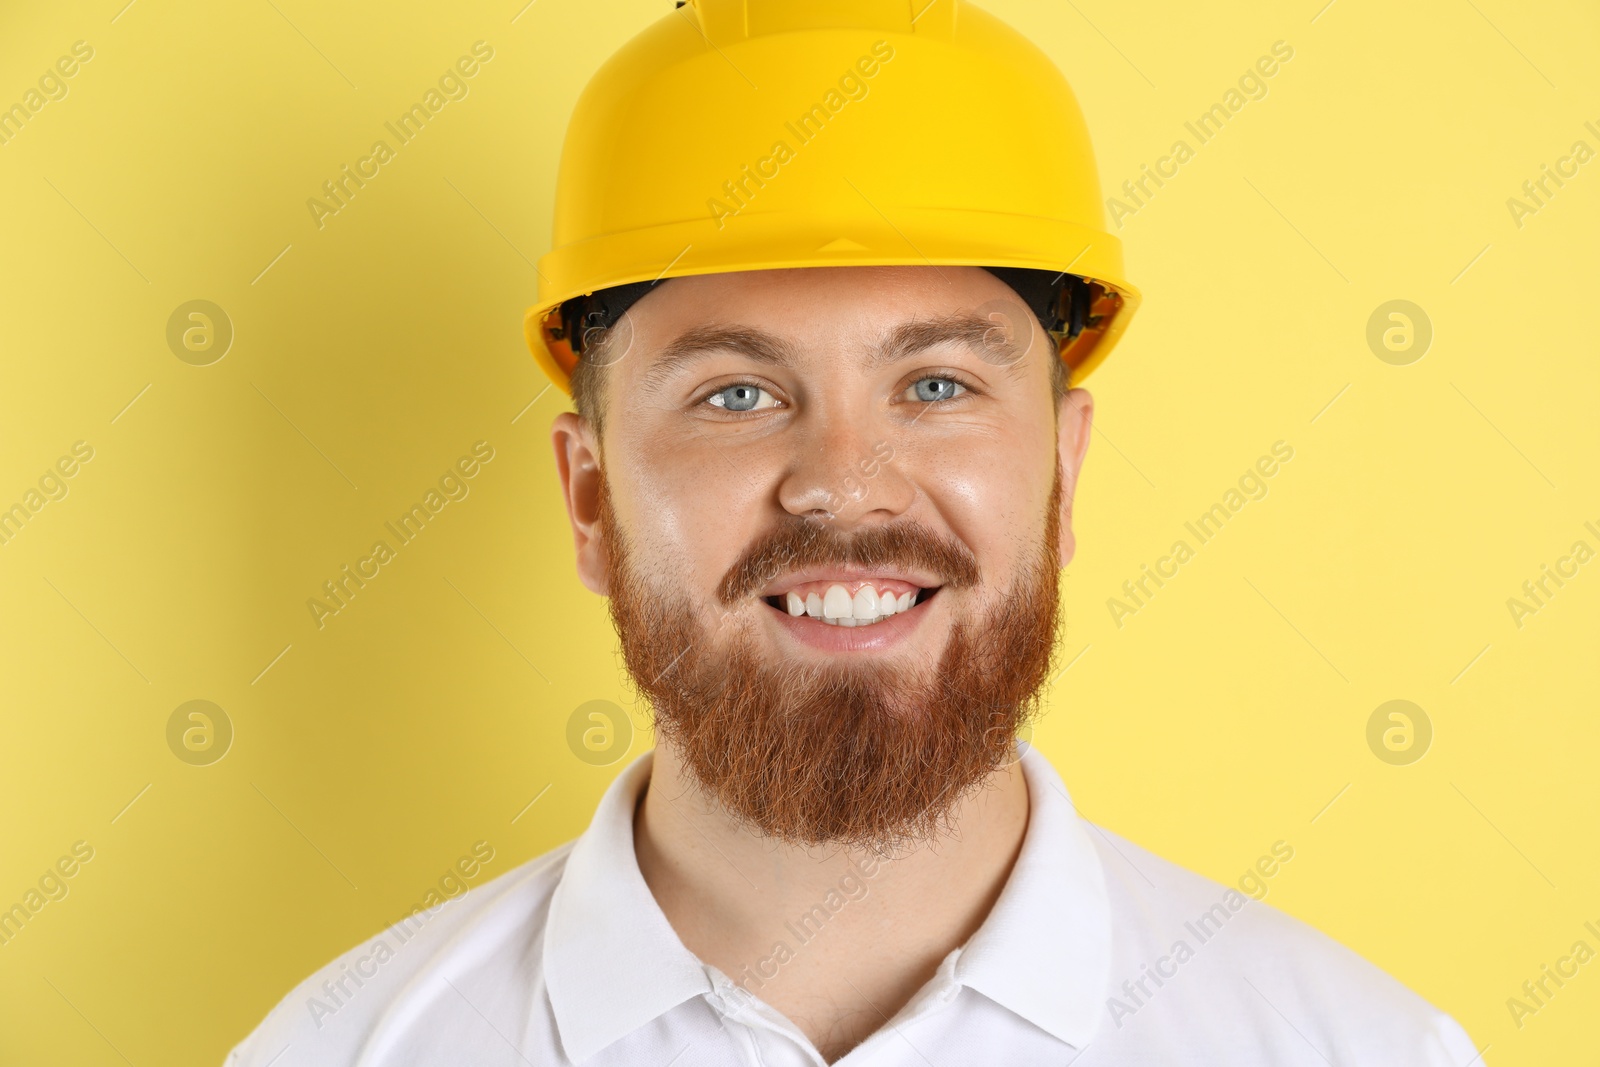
column 740, row 135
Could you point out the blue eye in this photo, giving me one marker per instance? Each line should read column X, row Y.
column 740, row 396
column 936, row 388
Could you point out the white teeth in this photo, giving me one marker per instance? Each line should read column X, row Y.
column 837, row 607
column 836, row 603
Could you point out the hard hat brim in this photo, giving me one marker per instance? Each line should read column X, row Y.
column 777, row 240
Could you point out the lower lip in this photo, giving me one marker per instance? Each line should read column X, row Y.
column 830, row 638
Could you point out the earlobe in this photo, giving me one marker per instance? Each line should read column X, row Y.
column 578, row 465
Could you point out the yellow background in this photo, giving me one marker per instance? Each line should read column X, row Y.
column 370, row 754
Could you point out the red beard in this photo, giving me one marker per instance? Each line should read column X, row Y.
column 857, row 754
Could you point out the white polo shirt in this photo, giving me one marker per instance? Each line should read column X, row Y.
column 1096, row 953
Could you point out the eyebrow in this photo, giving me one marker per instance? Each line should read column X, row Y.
column 903, row 341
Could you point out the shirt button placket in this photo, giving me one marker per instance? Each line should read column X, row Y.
column 766, row 1041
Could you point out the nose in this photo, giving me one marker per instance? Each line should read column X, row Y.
column 846, row 474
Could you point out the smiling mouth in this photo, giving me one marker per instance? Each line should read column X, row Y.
column 837, row 607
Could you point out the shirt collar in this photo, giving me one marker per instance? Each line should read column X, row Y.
column 1044, row 951
column 612, row 962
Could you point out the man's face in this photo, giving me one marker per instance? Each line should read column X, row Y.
column 823, row 432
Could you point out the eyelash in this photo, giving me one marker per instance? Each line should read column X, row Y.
column 951, row 376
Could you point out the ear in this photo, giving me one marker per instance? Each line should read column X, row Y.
column 1074, row 420
column 577, row 460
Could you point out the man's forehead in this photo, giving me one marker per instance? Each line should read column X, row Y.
column 883, row 345
column 879, row 315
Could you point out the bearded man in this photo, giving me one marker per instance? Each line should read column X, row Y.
column 826, row 441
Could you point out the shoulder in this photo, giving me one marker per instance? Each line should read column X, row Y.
column 329, row 1015
column 1216, row 960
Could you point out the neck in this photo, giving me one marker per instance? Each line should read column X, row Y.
column 788, row 923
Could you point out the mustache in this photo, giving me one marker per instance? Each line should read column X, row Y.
column 814, row 543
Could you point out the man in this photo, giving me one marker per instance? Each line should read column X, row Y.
column 827, row 489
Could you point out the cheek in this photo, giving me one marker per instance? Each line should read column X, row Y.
column 688, row 521
column 986, row 498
